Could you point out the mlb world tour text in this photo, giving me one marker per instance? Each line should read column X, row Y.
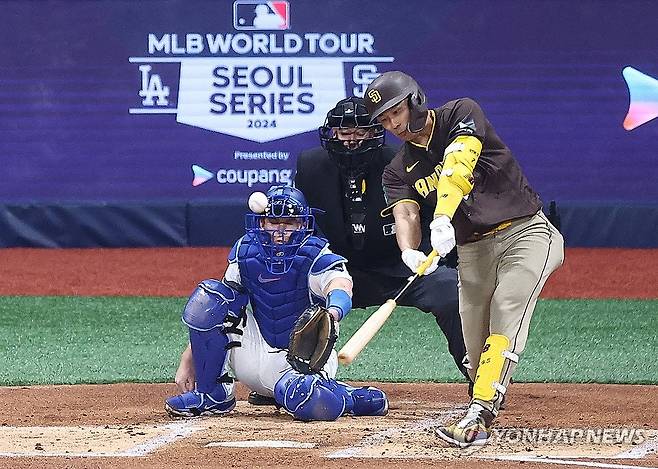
column 260, row 43
column 238, row 91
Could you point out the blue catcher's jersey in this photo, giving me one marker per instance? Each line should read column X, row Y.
column 278, row 300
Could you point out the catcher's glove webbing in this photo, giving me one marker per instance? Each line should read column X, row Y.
column 312, row 340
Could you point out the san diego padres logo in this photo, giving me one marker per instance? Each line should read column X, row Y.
column 374, row 96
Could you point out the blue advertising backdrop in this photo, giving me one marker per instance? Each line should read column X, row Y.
column 162, row 117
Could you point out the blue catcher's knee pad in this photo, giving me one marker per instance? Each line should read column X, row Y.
column 369, row 401
column 309, row 397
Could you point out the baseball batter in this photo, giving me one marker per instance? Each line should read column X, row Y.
column 453, row 161
column 279, row 269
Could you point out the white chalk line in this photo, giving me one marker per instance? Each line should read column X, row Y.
column 177, row 431
column 381, row 436
column 638, row 452
column 566, row 462
column 261, row 444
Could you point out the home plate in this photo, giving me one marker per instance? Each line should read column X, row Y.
column 261, row 444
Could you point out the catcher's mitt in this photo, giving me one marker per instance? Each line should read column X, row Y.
column 312, row 340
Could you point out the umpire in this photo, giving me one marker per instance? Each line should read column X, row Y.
column 343, row 178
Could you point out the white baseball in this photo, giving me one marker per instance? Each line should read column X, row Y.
column 257, row 202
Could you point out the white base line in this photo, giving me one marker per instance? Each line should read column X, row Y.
column 638, row 452
column 177, row 431
column 566, row 462
column 260, row 444
column 380, row 436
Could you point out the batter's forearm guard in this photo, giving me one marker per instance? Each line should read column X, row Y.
column 456, row 178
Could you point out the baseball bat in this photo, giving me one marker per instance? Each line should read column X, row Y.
column 367, row 331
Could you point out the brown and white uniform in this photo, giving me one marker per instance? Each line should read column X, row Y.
column 507, row 248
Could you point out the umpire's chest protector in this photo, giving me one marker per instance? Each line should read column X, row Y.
column 323, row 184
column 277, row 300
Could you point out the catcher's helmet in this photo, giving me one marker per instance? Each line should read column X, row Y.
column 391, row 88
column 283, row 202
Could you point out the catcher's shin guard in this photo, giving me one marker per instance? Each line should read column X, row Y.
column 213, row 311
column 313, row 397
column 488, row 380
column 209, row 354
column 308, row 397
column 367, row 400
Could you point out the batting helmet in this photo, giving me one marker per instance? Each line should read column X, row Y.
column 283, row 202
column 391, row 88
column 350, row 113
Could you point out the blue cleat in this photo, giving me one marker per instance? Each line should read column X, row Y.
column 196, row 404
column 369, row 401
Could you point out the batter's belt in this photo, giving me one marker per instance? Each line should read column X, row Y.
column 503, row 226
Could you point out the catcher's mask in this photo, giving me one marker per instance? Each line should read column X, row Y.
column 284, row 226
column 391, row 88
column 348, row 131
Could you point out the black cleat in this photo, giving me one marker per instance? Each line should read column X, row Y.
column 258, row 399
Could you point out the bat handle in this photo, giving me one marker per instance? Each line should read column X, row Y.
column 423, row 267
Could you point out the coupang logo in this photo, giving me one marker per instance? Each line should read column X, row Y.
column 643, row 91
column 260, row 81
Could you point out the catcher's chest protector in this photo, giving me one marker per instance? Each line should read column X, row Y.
column 277, row 300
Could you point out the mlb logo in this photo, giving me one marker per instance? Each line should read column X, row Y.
column 260, row 14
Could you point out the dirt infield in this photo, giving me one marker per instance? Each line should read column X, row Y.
column 586, row 273
column 124, row 425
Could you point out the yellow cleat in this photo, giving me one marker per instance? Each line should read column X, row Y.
column 474, row 429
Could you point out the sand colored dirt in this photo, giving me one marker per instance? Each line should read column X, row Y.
column 402, row 439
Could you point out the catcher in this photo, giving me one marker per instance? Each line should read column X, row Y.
column 271, row 323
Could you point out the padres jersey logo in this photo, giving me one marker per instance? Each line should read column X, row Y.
column 374, row 96
column 426, row 185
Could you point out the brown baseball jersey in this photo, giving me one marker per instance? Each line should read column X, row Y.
column 501, row 191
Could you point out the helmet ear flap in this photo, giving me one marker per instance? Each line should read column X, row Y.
column 419, row 97
column 417, row 110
